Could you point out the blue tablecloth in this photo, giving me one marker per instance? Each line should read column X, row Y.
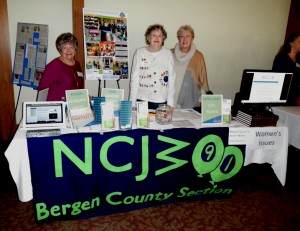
column 76, row 176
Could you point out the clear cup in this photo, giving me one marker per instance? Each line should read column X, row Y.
column 163, row 114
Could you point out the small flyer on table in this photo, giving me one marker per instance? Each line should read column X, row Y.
column 226, row 108
column 211, row 108
column 142, row 114
column 79, row 107
column 115, row 96
column 108, row 119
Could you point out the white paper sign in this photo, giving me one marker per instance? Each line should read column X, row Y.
column 256, row 137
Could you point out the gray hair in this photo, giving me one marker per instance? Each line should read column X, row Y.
column 66, row 38
column 153, row 28
column 185, row 27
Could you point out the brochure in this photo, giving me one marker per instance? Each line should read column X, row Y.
column 108, row 119
column 211, row 108
column 115, row 96
column 226, row 108
column 79, row 107
column 142, row 120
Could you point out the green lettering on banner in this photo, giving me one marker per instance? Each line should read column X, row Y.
column 230, row 165
column 207, row 154
column 73, row 209
column 208, row 157
column 76, row 208
column 104, row 151
column 110, row 201
column 187, row 192
column 85, row 205
column 145, row 159
column 41, row 211
column 182, row 192
column 55, row 211
column 64, row 208
column 59, row 148
column 128, row 200
column 163, row 155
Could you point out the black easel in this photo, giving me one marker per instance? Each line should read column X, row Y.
column 99, row 86
column 15, row 112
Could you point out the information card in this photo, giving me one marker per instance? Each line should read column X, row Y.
column 211, row 108
column 79, row 107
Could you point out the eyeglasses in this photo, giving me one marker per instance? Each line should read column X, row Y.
column 185, row 37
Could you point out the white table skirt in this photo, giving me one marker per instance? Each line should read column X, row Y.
column 18, row 160
column 290, row 117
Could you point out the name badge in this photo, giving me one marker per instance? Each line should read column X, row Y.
column 79, row 74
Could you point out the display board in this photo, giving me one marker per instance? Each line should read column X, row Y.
column 105, row 45
column 30, row 54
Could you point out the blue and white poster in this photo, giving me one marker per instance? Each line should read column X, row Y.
column 30, row 54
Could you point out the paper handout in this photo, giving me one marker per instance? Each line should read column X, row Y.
column 79, row 107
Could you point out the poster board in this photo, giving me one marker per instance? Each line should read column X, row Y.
column 105, row 45
column 30, row 54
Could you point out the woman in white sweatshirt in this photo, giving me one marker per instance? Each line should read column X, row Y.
column 152, row 73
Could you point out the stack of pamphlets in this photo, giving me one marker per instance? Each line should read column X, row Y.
column 79, row 107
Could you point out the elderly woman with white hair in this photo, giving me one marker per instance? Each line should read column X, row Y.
column 191, row 77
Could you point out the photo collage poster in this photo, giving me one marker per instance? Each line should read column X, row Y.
column 105, row 45
column 30, row 54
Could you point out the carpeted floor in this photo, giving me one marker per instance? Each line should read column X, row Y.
column 260, row 203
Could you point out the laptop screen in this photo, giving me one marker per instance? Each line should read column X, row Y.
column 43, row 115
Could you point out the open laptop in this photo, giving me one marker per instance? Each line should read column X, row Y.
column 44, row 115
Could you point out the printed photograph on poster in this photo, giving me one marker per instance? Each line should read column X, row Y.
column 30, row 54
column 105, row 45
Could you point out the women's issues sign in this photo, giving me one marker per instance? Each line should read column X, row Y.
column 77, row 176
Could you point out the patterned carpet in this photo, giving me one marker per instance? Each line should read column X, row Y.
column 260, row 203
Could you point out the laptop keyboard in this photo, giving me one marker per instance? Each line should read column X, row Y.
column 43, row 133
